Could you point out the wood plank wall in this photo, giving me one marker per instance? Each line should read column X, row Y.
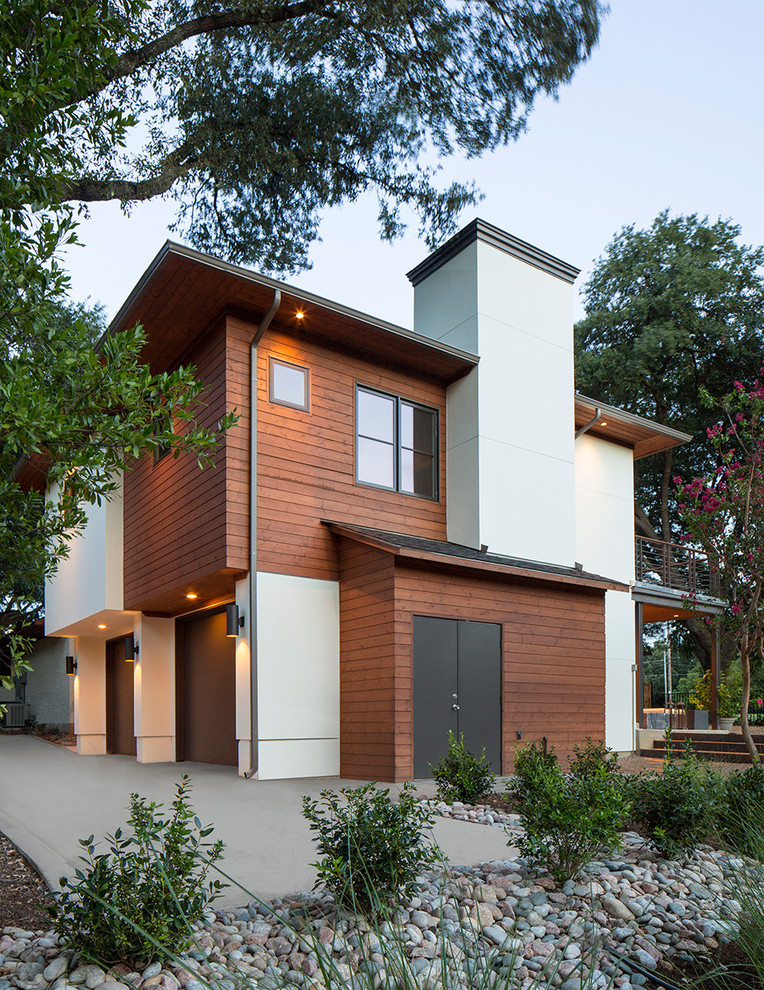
column 370, row 725
column 306, row 468
column 180, row 523
column 553, row 657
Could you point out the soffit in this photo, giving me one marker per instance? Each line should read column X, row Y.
column 183, row 292
column 642, row 435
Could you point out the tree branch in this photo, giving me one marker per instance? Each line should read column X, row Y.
column 90, row 189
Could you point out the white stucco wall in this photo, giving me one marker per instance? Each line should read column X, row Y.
column 298, row 676
column 510, row 423
column 90, row 579
column 90, row 696
column 605, row 545
column 154, row 690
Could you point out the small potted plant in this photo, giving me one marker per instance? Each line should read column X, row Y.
column 728, row 707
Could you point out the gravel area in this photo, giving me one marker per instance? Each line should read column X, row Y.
column 621, row 920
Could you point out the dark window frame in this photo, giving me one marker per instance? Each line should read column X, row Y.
column 272, row 361
column 399, row 402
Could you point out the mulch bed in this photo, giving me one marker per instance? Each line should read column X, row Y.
column 22, row 890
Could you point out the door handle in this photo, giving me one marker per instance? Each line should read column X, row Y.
column 455, row 708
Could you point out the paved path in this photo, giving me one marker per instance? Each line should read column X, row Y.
column 50, row 798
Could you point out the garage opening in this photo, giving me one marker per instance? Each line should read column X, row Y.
column 206, row 690
column 120, row 726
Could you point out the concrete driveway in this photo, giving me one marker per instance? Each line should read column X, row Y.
column 50, row 798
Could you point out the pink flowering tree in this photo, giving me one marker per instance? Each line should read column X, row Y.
column 723, row 514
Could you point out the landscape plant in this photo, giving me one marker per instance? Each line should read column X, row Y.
column 141, row 897
column 740, row 813
column 677, row 808
column 593, row 758
column 373, row 847
column 461, row 775
column 567, row 818
column 723, row 515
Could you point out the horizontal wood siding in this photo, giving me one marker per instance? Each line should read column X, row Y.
column 553, row 653
column 306, row 466
column 182, row 526
column 369, row 724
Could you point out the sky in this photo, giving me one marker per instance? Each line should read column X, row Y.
column 667, row 113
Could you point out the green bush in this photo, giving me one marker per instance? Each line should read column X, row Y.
column 676, row 810
column 373, row 849
column 462, row 776
column 566, row 819
column 593, row 756
column 740, row 812
column 139, row 899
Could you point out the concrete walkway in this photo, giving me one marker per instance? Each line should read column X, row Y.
column 50, row 798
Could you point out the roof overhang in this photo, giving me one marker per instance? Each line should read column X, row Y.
column 183, row 292
column 417, row 549
column 661, row 604
column 624, row 428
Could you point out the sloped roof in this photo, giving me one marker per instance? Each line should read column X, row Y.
column 454, row 554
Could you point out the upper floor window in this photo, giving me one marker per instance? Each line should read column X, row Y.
column 288, row 384
column 396, row 444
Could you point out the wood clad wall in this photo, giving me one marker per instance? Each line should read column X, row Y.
column 306, row 461
column 553, row 652
column 371, row 727
column 553, row 657
column 180, row 523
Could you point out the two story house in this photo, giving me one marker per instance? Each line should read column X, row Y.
column 406, row 532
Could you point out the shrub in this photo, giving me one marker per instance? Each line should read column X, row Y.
column 373, row 849
column 676, row 809
column 593, row 756
column 139, row 899
column 462, row 776
column 566, row 819
column 739, row 816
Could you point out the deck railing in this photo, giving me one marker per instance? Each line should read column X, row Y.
column 674, row 566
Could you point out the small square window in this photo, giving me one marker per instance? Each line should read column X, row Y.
column 289, row 384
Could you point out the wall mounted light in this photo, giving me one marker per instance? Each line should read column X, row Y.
column 233, row 621
column 131, row 649
column 71, row 666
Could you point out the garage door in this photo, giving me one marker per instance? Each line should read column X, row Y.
column 206, row 686
column 120, row 729
column 457, row 686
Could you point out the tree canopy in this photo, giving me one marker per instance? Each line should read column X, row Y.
column 257, row 114
column 669, row 309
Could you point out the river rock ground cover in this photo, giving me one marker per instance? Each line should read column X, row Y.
column 502, row 923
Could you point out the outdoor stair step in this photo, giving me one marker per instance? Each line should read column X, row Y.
column 717, row 756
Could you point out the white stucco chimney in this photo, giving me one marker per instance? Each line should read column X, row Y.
column 510, row 422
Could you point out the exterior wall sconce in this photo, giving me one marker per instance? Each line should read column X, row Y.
column 71, row 666
column 131, row 650
column 233, row 621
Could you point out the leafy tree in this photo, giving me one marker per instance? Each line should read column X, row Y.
column 256, row 114
column 668, row 310
column 259, row 114
column 723, row 513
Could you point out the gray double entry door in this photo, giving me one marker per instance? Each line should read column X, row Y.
column 457, row 686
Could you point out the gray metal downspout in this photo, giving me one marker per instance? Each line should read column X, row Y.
column 253, row 730
column 590, row 424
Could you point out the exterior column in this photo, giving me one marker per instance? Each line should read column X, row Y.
column 640, row 713
column 154, row 690
column 90, row 696
column 713, row 714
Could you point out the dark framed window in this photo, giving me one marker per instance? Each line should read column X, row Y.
column 288, row 384
column 396, row 443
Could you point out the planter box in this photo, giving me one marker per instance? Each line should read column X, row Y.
column 697, row 719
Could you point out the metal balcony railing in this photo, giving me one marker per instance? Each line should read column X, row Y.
column 675, row 566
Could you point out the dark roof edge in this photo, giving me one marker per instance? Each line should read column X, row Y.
column 180, row 250
column 632, row 418
column 479, row 230
column 492, row 563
